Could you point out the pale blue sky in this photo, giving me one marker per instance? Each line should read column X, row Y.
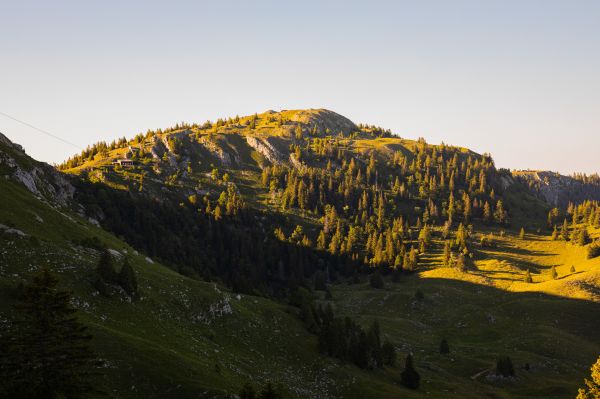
column 519, row 79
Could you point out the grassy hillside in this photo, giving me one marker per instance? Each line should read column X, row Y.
column 300, row 192
column 168, row 344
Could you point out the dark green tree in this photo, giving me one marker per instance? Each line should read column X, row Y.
column 247, row 392
column 127, row 279
column 409, row 377
column 269, row 392
column 388, row 353
column 46, row 353
column 106, row 268
column 444, row 347
column 504, row 367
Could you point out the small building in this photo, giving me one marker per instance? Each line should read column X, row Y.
column 124, row 162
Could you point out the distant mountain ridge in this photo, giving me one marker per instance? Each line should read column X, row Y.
column 560, row 190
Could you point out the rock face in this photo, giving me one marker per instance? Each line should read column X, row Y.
column 558, row 190
column 265, row 148
column 41, row 179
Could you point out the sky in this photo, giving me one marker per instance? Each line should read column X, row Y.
column 517, row 79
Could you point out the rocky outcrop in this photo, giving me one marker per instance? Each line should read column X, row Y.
column 558, row 190
column 41, row 179
column 226, row 159
column 265, row 148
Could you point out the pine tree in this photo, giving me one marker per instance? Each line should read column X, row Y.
column 554, row 272
column 247, row 392
column 46, row 353
column 572, row 269
column 106, row 268
column 444, row 347
column 528, row 278
column 504, row 367
column 555, row 234
column 409, row 377
column 269, row 392
column 389, row 353
column 564, row 232
column 447, row 254
column 522, row 234
column 127, row 279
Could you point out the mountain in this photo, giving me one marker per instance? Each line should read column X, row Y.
column 559, row 190
column 39, row 178
column 266, row 246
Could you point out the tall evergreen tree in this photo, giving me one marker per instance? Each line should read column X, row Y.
column 409, row 377
column 46, row 352
column 106, row 268
column 127, row 279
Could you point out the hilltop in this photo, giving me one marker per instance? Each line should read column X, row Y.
column 240, row 230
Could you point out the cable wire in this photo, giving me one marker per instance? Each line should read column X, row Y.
column 41, row 130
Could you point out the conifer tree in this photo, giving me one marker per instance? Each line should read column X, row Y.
column 127, row 279
column 504, row 367
column 46, row 352
column 528, row 278
column 522, row 234
column 247, row 392
column 106, row 268
column 444, row 347
column 409, row 377
column 389, row 353
column 554, row 272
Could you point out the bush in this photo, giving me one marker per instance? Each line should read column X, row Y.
column 504, row 367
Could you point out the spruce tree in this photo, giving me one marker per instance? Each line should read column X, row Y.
column 554, row 272
column 127, row 279
column 444, row 347
column 247, row 392
column 46, row 352
column 528, row 278
column 269, row 392
column 504, row 367
column 409, row 377
column 389, row 353
column 106, row 268
column 522, row 234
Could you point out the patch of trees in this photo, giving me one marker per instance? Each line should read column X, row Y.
column 267, row 392
column 236, row 248
column 592, row 385
column 594, row 250
column 107, row 274
column 45, row 353
column 343, row 338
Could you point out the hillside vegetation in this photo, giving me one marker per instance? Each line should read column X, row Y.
column 228, row 223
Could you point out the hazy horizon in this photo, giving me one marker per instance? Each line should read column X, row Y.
column 516, row 79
